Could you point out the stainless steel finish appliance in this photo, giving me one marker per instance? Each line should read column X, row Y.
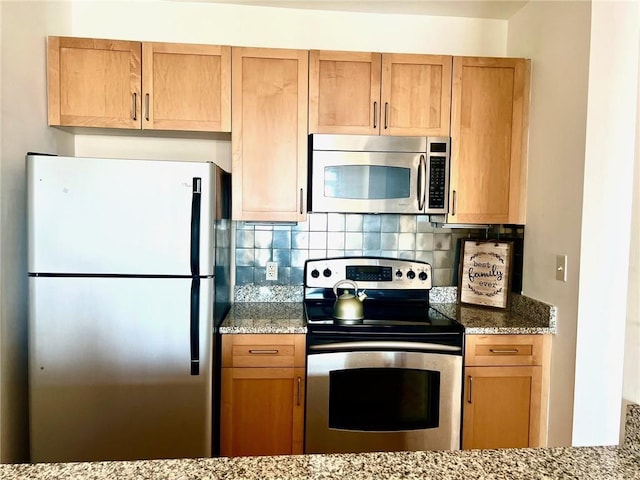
column 379, row 174
column 392, row 382
column 128, row 276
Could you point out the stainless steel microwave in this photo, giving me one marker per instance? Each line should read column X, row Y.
column 378, row 174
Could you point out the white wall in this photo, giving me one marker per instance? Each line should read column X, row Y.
column 23, row 120
column 555, row 35
column 2, row 376
column 203, row 22
column 631, row 377
column 584, row 102
column 608, row 187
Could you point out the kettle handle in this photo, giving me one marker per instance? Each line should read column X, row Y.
column 340, row 282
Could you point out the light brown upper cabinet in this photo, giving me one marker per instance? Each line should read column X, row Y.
column 104, row 83
column 186, row 87
column 93, row 83
column 379, row 94
column 489, row 123
column 269, row 140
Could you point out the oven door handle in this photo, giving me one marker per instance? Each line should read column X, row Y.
column 352, row 346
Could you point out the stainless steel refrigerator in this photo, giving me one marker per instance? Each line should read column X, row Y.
column 128, row 279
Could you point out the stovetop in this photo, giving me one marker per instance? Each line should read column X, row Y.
column 381, row 316
column 397, row 302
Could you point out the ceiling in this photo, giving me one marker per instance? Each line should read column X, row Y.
column 498, row 9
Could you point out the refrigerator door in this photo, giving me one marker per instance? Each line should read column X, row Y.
column 110, row 369
column 113, row 216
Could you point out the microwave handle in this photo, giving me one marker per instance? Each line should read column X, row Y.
column 422, row 175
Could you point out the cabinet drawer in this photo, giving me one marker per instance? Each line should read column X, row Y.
column 496, row 350
column 263, row 350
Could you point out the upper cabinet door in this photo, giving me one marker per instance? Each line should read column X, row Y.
column 100, row 83
column 269, row 141
column 490, row 102
column 344, row 92
column 186, row 87
column 93, row 83
column 416, row 94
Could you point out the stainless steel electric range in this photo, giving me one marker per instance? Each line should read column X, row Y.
column 389, row 381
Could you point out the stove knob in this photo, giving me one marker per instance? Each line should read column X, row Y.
column 315, row 273
column 399, row 274
column 326, row 272
column 422, row 276
column 411, row 274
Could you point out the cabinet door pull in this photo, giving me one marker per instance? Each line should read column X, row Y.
column 263, row 352
column 301, row 200
column 453, row 204
column 386, row 115
column 469, row 391
column 298, row 393
column 375, row 114
column 146, row 107
column 503, row 352
column 134, row 106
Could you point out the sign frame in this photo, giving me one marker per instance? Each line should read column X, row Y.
column 484, row 276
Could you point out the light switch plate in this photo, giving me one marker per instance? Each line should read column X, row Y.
column 561, row 268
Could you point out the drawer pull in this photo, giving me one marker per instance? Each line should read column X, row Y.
column 298, row 394
column 503, row 352
column 263, row 352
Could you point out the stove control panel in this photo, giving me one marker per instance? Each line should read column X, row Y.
column 368, row 272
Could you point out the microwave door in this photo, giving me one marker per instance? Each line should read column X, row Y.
column 368, row 182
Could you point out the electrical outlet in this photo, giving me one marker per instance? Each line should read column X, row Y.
column 272, row 271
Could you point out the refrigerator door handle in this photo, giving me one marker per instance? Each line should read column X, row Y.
column 195, row 326
column 196, row 198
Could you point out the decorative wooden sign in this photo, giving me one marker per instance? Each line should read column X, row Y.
column 485, row 273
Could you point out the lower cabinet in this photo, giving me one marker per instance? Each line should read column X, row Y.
column 506, row 391
column 262, row 394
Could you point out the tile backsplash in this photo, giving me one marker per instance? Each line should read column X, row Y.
column 410, row 237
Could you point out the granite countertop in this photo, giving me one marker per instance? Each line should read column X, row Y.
column 280, row 310
column 483, row 321
column 525, row 316
column 597, row 463
column 264, row 317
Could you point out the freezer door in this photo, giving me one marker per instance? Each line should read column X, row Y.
column 108, row 216
column 110, row 370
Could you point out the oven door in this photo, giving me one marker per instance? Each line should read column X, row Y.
column 382, row 400
column 368, row 182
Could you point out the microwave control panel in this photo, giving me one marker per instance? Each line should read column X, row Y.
column 438, row 174
column 437, row 182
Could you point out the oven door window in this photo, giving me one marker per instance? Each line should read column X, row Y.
column 367, row 182
column 384, row 399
